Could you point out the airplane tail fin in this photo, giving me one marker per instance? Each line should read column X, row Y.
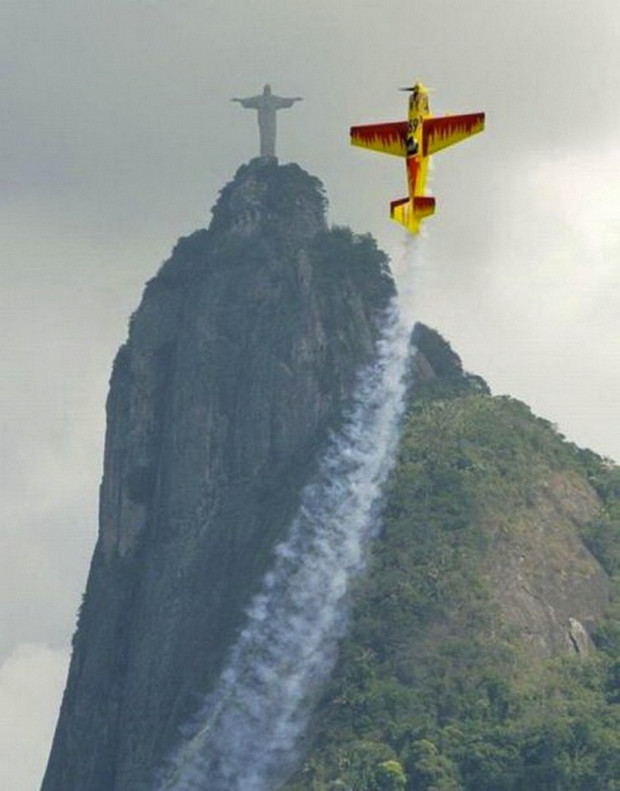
column 410, row 212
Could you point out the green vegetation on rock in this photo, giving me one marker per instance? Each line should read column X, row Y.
column 447, row 680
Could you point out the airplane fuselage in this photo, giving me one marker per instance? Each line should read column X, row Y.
column 417, row 163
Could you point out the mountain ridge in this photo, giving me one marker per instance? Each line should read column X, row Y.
column 241, row 360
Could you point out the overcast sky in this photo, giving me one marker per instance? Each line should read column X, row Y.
column 118, row 134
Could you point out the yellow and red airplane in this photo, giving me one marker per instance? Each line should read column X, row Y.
column 416, row 139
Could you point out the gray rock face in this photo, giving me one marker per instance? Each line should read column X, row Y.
column 239, row 360
column 547, row 584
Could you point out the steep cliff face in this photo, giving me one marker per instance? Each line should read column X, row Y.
column 239, row 360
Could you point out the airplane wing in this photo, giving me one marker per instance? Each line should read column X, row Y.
column 388, row 138
column 438, row 133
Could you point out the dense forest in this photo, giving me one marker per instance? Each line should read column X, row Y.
column 437, row 688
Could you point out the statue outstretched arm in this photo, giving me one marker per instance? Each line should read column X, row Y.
column 252, row 102
column 282, row 102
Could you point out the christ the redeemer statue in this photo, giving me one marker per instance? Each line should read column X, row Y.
column 267, row 105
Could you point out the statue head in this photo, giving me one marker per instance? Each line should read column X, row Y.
column 267, row 90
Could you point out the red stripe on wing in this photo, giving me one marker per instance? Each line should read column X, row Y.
column 438, row 133
column 389, row 138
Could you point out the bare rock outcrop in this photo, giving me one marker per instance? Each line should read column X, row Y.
column 239, row 360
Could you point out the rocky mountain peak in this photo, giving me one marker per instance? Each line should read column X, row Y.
column 240, row 359
column 265, row 196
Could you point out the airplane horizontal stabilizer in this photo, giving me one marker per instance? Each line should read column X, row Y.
column 387, row 138
column 423, row 206
column 410, row 212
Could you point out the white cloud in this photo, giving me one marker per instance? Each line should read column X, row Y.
column 31, row 685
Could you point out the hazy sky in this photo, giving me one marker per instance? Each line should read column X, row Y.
column 118, row 134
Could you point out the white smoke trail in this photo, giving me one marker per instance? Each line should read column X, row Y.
column 248, row 731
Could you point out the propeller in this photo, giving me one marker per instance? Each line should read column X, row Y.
column 417, row 87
